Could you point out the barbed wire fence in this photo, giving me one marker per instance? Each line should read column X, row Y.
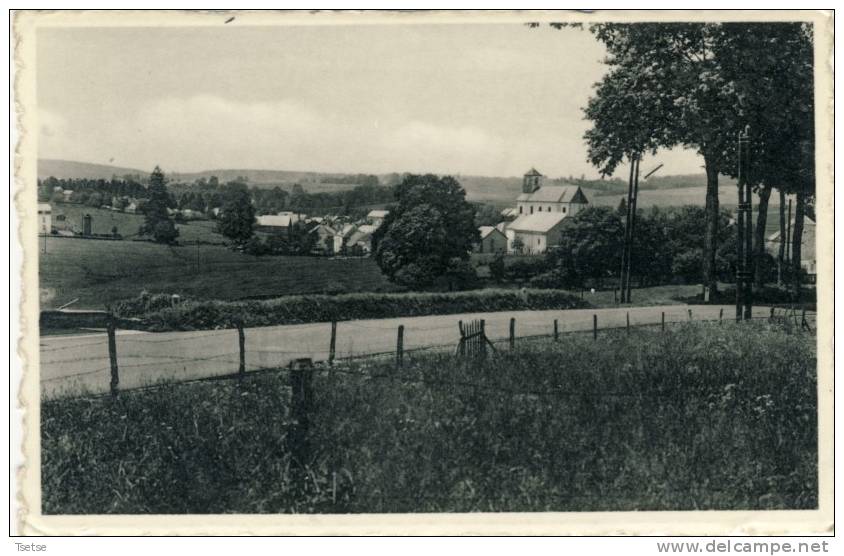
column 470, row 339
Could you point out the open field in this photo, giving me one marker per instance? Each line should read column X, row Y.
column 103, row 220
column 100, row 272
column 699, row 417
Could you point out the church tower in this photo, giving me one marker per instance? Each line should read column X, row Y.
column 531, row 181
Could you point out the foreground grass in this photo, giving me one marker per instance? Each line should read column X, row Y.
column 699, row 417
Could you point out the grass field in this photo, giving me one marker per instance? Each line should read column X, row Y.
column 699, row 417
column 100, row 272
column 102, row 222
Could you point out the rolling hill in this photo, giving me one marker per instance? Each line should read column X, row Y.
column 665, row 190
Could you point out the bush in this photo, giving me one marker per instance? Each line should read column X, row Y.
column 254, row 246
column 193, row 314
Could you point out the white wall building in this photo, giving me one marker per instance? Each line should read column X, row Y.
column 45, row 218
column 540, row 211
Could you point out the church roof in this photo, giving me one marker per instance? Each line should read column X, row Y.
column 555, row 194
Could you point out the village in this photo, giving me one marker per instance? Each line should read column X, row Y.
column 534, row 224
column 476, row 267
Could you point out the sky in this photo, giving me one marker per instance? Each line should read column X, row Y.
column 479, row 99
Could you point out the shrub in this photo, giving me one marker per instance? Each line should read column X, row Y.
column 193, row 314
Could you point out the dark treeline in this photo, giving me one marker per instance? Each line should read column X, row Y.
column 94, row 192
column 204, row 195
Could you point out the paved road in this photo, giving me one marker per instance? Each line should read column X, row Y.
column 71, row 365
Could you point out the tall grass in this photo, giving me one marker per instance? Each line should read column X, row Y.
column 698, row 417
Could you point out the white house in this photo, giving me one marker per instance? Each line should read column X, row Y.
column 532, row 234
column 361, row 239
column 45, row 218
column 376, row 217
column 278, row 223
column 340, row 236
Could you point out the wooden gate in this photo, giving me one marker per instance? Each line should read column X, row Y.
column 473, row 341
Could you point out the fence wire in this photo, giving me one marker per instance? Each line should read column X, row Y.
column 528, row 331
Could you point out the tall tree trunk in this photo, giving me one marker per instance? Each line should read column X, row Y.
column 796, row 243
column 783, row 239
column 710, row 237
column 761, row 222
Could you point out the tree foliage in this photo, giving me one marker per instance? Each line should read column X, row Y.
column 236, row 220
column 428, row 234
column 157, row 221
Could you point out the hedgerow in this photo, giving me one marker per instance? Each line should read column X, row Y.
column 160, row 313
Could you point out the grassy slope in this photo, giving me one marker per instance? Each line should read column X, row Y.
column 692, row 418
column 99, row 272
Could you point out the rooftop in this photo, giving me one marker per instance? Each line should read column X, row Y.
column 539, row 222
column 555, row 194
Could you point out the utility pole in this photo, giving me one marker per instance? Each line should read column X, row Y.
column 622, row 286
column 744, row 247
column 632, row 227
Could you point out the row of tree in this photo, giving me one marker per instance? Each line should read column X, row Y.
column 698, row 85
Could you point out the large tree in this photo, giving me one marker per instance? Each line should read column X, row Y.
column 428, row 234
column 236, row 220
column 771, row 67
column 157, row 221
column 670, row 85
column 589, row 249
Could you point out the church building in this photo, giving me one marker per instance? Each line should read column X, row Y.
column 540, row 211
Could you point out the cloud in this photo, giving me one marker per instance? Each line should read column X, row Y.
column 205, row 132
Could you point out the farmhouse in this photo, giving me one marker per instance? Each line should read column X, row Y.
column 45, row 218
column 360, row 241
column 493, row 240
column 532, row 234
column 807, row 246
column 376, row 217
column 325, row 236
column 341, row 235
column 278, row 223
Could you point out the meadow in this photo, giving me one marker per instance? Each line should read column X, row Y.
column 699, row 417
column 99, row 272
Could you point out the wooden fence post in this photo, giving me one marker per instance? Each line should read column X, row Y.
column 772, row 313
column 332, row 345
column 690, row 314
column 481, row 339
column 301, row 383
column 241, row 341
column 556, row 331
column 720, row 315
column 400, row 347
column 663, row 321
column 112, row 355
column 594, row 327
column 628, row 323
column 512, row 334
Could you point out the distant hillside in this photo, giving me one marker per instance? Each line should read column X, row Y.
column 70, row 169
column 496, row 190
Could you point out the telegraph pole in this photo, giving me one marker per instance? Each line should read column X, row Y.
column 625, row 252
column 632, row 227
column 744, row 247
